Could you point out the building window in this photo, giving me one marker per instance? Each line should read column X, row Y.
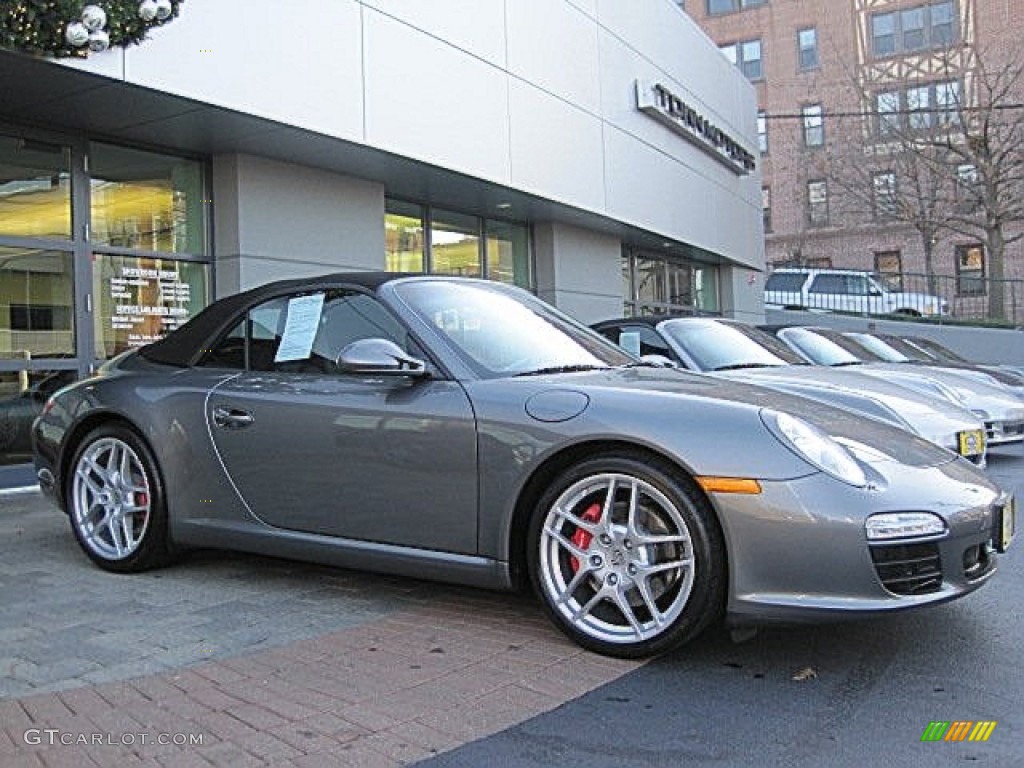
column 762, row 132
column 966, row 188
column 404, row 237
column 909, row 30
column 146, row 201
column 817, row 203
column 455, row 244
column 918, row 108
column 36, row 304
column 970, row 270
column 422, row 239
column 889, row 267
column 887, row 107
column 884, row 197
column 766, row 207
column 654, row 284
column 35, row 189
column 813, row 125
column 716, row 7
column 747, row 56
column 140, row 299
column 807, row 48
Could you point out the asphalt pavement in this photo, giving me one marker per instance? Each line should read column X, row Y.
column 852, row 694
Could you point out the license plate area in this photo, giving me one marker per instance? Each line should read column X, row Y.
column 970, row 442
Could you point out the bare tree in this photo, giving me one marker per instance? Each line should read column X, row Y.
column 943, row 154
column 983, row 152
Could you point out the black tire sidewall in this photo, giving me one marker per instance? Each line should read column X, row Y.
column 153, row 551
column 707, row 596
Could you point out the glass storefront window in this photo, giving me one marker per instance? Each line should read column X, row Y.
column 654, row 284
column 508, row 252
column 147, row 201
column 22, row 395
column 705, row 282
column 139, row 300
column 35, row 189
column 455, row 244
column 403, row 237
column 37, row 317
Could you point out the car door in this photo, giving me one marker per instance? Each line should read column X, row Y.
column 379, row 458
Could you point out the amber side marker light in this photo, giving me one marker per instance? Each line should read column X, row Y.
column 729, row 485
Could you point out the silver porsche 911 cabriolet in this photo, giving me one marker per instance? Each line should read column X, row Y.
column 465, row 431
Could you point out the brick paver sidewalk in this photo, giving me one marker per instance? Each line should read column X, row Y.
column 263, row 661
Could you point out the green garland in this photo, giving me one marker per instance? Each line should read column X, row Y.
column 38, row 26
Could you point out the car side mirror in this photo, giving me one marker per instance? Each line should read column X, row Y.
column 379, row 357
column 874, row 292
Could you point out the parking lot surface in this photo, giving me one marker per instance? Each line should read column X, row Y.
column 265, row 661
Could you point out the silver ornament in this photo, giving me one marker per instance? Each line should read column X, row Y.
column 94, row 18
column 99, row 41
column 76, row 34
column 163, row 9
column 147, row 10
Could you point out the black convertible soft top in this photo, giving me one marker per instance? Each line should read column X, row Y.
column 182, row 347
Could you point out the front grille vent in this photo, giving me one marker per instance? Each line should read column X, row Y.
column 908, row 569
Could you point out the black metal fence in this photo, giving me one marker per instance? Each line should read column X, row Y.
column 968, row 297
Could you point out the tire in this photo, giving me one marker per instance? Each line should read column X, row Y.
column 621, row 587
column 115, row 500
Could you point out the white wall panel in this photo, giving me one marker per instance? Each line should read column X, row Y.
column 476, row 26
column 428, row 100
column 556, row 148
column 652, row 190
column 552, row 44
column 300, row 65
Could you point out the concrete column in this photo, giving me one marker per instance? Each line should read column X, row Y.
column 742, row 293
column 275, row 220
column 579, row 271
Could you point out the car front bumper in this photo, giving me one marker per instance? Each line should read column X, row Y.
column 798, row 551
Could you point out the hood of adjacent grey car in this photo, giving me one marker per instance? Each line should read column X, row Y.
column 890, row 441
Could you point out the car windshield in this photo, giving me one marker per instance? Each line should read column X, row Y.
column 876, row 345
column 855, row 353
column 905, row 348
column 819, row 348
column 716, row 346
column 501, row 331
column 936, row 350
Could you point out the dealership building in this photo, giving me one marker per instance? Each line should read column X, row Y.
column 602, row 154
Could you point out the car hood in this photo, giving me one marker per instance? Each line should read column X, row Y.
column 910, row 404
column 881, row 441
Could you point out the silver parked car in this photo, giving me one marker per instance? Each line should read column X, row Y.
column 940, row 353
column 742, row 352
column 999, row 408
column 464, row 430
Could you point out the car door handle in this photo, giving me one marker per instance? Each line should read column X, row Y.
column 232, row 418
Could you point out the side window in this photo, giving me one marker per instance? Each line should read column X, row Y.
column 650, row 342
column 828, row 284
column 306, row 333
column 229, row 352
column 857, row 285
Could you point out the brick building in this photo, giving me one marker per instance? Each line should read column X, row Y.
column 840, row 84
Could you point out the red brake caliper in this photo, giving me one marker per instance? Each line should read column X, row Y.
column 583, row 538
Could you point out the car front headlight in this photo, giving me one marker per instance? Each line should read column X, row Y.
column 814, row 446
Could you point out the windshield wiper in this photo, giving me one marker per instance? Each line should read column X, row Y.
column 846, row 363
column 563, row 369
column 741, row 366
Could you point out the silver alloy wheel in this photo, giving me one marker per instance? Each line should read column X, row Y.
column 110, row 499
column 621, row 577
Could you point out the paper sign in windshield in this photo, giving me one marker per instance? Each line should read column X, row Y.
column 300, row 328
